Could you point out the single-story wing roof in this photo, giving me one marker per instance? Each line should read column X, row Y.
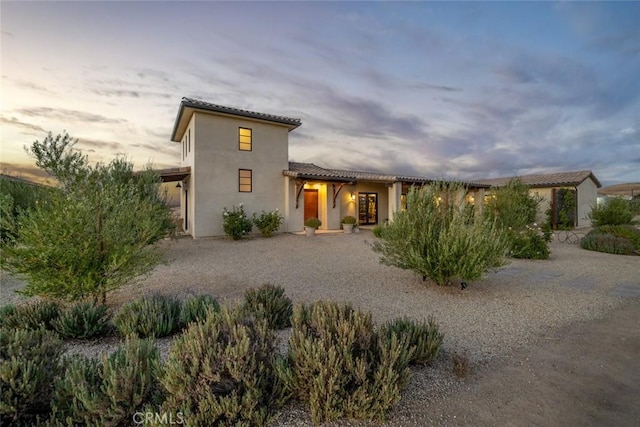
column 560, row 179
column 313, row 171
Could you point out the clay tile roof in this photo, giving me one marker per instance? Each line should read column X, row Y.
column 195, row 103
column 547, row 180
column 312, row 171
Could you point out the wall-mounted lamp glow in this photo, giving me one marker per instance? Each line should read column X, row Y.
column 353, row 196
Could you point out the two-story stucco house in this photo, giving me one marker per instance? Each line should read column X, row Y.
column 231, row 156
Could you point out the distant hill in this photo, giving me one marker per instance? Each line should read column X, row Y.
column 628, row 189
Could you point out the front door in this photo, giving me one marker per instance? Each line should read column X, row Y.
column 310, row 204
column 367, row 208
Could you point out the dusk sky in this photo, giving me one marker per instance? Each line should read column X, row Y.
column 461, row 90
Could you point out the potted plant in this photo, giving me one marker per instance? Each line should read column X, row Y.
column 310, row 226
column 356, row 228
column 347, row 224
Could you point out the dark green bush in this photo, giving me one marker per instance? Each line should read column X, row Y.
column 268, row 222
column 378, row 230
column 195, row 308
column 220, row 372
column 613, row 239
column 340, row 366
column 269, row 302
column 150, row 316
column 529, row 244
column 107, row 391
column 82, row 320
column 32, row 315
column 235, row 222
column 615, row 211
column 29, row 361
column 624, row 231
column 424, row 336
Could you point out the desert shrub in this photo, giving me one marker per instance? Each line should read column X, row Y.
column 313, row 223
column 82, row 320
column 378, row 230
column 424, row 336
column 340, row 366
column 220, row 372
column 349, row 219
column 615, row 211
column 107, row 391
column 149, row 316
column 460, row 365
column 512, row 205
column 434, row 237
column 270, row 303
column 195, row 308
column 530, row 243
column 28, row 365
column 613, row 239
column 235, row 222
column 268, row 222
column 6, row 311
column 32, row 315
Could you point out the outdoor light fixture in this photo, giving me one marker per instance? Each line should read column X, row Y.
column 179, row 185
column 353, row 196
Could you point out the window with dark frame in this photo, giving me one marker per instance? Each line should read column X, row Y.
column 244, row 139
column 245, row 177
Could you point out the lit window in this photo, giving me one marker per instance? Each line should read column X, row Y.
column 245, row 178
column 244, row 139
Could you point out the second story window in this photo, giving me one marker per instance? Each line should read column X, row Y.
column 244, row 139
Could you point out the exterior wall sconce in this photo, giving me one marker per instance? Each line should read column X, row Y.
column 179, row 185
column 353, row 197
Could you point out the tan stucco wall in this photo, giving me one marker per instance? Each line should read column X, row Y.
column 587, row 199
column 215, row 160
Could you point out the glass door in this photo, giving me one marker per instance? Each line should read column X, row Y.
column 367, row 208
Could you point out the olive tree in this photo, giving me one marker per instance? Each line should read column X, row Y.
column 438, row 238
column 94, row 233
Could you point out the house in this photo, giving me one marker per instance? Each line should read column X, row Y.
column 231, row 156
column 556, row 189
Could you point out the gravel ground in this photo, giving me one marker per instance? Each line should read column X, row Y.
column 509, row 309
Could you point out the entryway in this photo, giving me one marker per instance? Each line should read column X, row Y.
column 310, row 204
column 367, row 208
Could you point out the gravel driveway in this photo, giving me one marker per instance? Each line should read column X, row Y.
column 509, row 309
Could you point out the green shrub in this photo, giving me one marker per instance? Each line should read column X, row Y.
column 313, row 223
column 195, row 308
column 32, row 315
column 270, row 303
column 378, row 230
column 613, row 239
column 435, row 238
column 220, row 372
column 349, row 219
column 340, row 367
column 29, row 362
column 6, row 311
column 235, row 222
column 615, row 211
column 512, row 205
column 529, row 244
column 82, row 320
column 107, row 391
column 424, row 336
column 150, row 316
column 268, row 222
